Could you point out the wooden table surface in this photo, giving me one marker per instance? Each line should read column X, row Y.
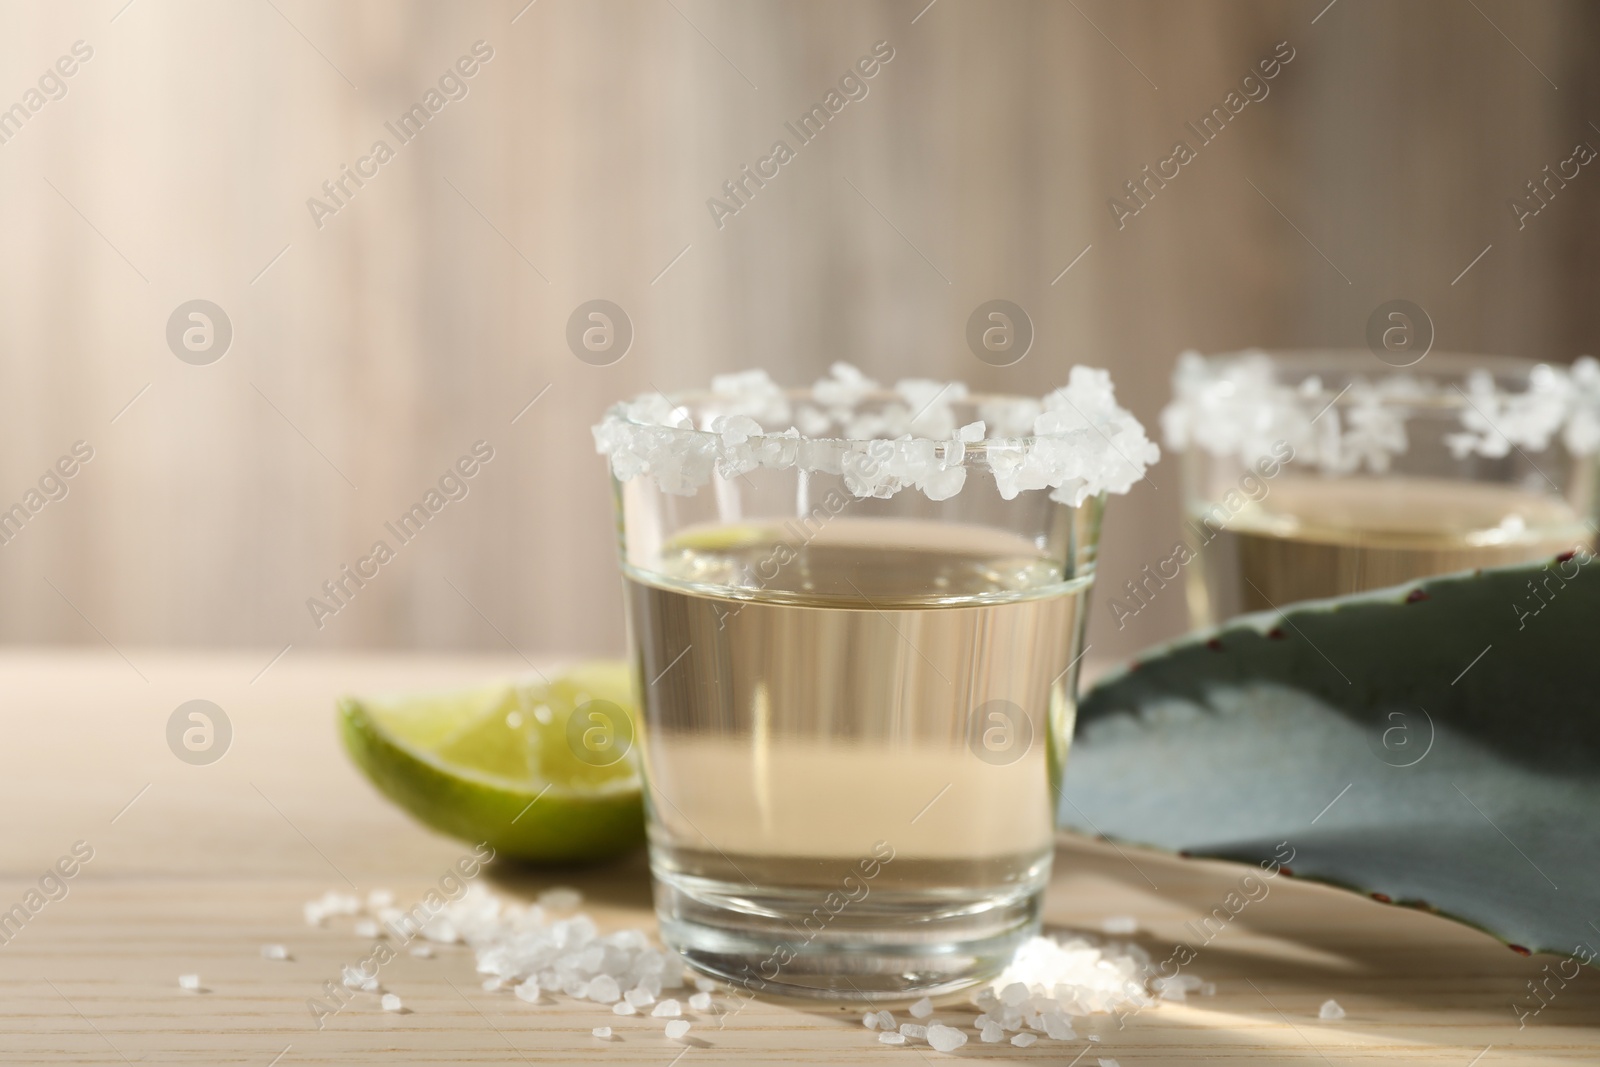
column 194, row 868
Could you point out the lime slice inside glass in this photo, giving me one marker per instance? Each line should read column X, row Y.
column 542, row 772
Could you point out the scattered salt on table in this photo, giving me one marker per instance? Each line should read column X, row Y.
column 1330, row 1011
column 391, row 1002
column 677, row 1028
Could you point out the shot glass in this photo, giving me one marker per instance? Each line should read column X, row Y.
column 855, row 616
column 1321, row 473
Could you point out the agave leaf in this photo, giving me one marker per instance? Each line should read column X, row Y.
column 1436, row 745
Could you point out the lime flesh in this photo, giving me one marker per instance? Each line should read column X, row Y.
column 495, row 764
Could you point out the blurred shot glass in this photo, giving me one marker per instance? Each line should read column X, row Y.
column 1321, row 473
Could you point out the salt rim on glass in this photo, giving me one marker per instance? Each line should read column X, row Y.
column 1077, row 442
column 1236, row 405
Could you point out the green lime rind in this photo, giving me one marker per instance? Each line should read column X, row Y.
column 590, row 814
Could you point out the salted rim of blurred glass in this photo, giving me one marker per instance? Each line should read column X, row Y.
column 1348, row 408
column 1294, row 367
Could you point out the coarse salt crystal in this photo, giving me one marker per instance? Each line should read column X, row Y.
column 639, row 997
column 921, row 1009
column 677, row 1028
column 603, row 990
column 370, row 985
column 391, row 1002
column 892, row 1039
column 190, row 982
column 704, row 984
column 886, row 1020
column 913, row 1030
column 274, row 952
column 667, row 1009
column 493, row 985
column 700, row 1002
column 1330, row 1010
column 945, row 1038
column 1014, row 994
column 991, row 1032
column 1105, row 1061
column 560, row 898
column 622, row 1007
column 1120, row 924
column 528, row 991
column 1057, row 1026
column 1024, row 1040
column 601, row 1031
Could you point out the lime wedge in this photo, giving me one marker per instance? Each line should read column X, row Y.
column 542, row 772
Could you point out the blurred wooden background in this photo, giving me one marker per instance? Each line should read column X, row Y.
column 369, row 354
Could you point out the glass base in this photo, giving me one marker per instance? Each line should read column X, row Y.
column 890, row 945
